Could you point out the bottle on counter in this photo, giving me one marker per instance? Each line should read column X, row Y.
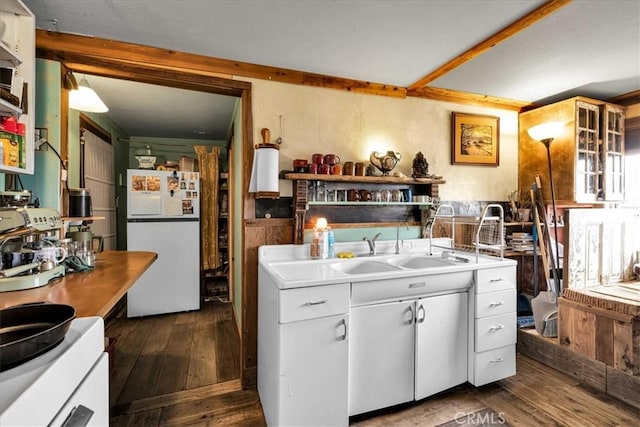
column 330, row 243
column 319, row 246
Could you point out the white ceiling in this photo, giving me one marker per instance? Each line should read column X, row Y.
column 588, row 47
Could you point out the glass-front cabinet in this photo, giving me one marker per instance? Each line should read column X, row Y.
column 587, row 157
column 613, row 154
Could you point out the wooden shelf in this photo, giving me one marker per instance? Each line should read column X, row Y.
column 311, row 203
column 364, row 179
column 81, row 218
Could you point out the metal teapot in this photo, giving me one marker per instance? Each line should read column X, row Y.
column 385, row 163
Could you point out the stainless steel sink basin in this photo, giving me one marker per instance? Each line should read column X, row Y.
column 419, row 262
column 364, row 267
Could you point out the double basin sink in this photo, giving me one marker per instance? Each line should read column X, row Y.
column 395, row 263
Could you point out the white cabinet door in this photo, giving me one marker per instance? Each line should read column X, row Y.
column 381, row 352
column 441, row 343
column 313, row 372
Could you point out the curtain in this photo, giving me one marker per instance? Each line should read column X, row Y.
column 208, row 165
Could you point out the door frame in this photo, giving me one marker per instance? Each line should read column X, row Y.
column 107, row 58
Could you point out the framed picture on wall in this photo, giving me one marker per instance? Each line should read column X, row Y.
column 475, row 140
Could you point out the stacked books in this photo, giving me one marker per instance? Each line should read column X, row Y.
column 520, row 241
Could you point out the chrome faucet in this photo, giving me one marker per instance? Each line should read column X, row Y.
column 398, row 238
column 372, row 243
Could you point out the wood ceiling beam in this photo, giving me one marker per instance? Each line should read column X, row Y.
column 521, row 24
column 626, row 99
column 449, row 95
column 59, row 45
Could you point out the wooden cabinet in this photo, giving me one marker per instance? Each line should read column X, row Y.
column 17, row 67
column 257, row 232
column 317, row 195
column 587, row 158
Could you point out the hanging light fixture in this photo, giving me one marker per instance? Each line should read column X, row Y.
column 82, row 97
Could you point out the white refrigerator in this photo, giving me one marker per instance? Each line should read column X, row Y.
column 163, row 216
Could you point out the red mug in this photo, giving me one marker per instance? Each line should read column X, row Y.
column 324, row 169
column 331, row 159
column 318, row 159
column 312, row 168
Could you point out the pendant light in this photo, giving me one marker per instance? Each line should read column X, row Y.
column 82, row 97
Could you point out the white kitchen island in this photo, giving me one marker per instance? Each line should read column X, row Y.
column 340, row 337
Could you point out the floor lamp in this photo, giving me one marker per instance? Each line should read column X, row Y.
column 546, row 133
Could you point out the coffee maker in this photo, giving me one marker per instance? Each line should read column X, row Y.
column 24, row 231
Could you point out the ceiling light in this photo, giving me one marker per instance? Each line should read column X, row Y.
column 86, row 99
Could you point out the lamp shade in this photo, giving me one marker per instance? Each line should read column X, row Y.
column 545, row 131
column 86, row 99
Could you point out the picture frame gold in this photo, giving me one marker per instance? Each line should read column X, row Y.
column 475, row 140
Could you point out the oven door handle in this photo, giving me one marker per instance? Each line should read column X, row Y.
column 78, row 417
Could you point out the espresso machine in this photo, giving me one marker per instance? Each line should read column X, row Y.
column 21, row 229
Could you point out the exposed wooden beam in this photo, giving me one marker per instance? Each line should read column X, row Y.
column 626, row 99
column 61, row 44
column 521, row 24
column 449, row 95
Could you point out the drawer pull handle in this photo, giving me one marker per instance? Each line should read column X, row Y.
column 497, row 360
column 310, row 303
column 496, row 304
column 418, row 285
column 497, row 279
column 496, row 328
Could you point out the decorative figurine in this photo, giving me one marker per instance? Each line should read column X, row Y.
column 420, row 166
column 386, row 162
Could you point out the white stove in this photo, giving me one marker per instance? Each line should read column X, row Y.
column 68, row 383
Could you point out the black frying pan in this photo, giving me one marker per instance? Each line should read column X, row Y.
column 28, row 330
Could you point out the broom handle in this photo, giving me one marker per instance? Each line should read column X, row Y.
column 543, row 251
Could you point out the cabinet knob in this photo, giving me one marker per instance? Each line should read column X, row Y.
column 496, row 304
column 497, row 279
column 496, row 328
column 497, row 360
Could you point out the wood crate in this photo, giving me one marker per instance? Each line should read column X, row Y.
column 610, row 335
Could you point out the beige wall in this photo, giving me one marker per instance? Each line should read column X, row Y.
column 351, row 125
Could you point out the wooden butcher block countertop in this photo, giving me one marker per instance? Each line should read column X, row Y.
column 92, row 293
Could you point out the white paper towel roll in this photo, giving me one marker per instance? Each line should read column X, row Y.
column 264, row 175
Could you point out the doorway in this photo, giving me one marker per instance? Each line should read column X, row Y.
column 97, row 174
column 192, row 72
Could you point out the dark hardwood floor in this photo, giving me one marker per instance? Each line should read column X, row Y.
column 183, row 369
column 174, row 369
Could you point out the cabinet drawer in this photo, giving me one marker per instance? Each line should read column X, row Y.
column 495, row 279
column 494, row 365
column 363, row 293
column 311, row 302
column 495, row 331
column 495, row 303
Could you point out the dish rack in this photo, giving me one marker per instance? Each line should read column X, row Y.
column 482, row 234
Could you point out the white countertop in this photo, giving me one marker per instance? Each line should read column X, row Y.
column 291, row 267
